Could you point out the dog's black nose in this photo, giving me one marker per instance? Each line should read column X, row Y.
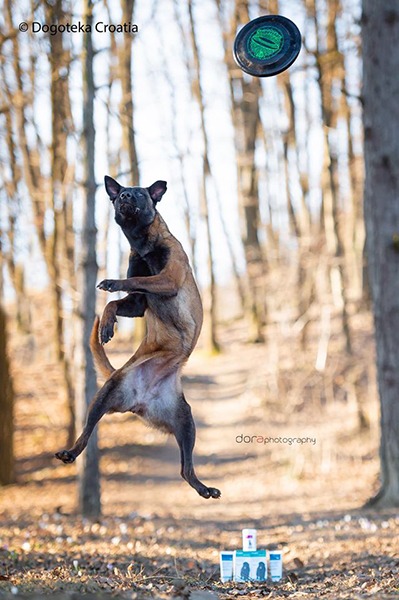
column 125, row 195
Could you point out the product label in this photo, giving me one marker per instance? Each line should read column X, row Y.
column 250, row 566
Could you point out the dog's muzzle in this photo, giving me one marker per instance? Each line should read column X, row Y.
column 128, row 210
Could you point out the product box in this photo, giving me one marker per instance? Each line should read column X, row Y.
column 276, row 565
column 250, row 566
column 226, row 565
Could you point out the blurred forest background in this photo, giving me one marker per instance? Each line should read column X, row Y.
column 265, row 190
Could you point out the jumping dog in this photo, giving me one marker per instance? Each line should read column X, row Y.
column 160, row 286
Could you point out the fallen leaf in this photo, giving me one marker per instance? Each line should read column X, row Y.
column 298, row 563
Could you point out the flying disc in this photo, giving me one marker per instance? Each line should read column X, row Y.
column 267, row 45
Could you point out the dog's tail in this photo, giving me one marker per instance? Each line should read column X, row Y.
column 101, row 361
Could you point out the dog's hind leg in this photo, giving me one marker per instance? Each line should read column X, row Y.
column 184, row 431
column 101, row 404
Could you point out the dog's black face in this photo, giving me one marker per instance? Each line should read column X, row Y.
column 134, row 206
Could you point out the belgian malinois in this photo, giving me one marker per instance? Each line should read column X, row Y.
column 161, row 286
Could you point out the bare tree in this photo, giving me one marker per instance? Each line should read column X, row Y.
column 126, row 105
column 89, row 475
column 329, row 65
column 6, row 408
column 47, row 207
column 129, row 156
column 58, row 246
column 245, row 96
column 197, row 86
column 380, row 25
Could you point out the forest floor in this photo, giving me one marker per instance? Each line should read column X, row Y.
column 157, row 538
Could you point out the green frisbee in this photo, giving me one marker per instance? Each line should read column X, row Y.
column 267, row 45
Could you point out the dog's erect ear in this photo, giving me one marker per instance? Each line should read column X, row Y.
column 157, row 190
column 113, row 188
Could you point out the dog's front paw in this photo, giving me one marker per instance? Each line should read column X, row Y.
column 66, row 456
column 110, row 285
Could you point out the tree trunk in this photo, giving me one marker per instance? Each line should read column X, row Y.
column 380, row 30
column 129, row 157
column 210, row 304
column 89, row 476
column 126, row 105
column 35, row 179
column 15, row 269
column 245, row 94
column 6, row 409
column 300, row 223
column 59, row 166
column 329, row 64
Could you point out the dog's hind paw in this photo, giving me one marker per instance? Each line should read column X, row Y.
column 209, row 492
column 215, row 493
column 65, row 456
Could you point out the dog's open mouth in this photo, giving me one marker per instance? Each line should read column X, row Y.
column 127, row 210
